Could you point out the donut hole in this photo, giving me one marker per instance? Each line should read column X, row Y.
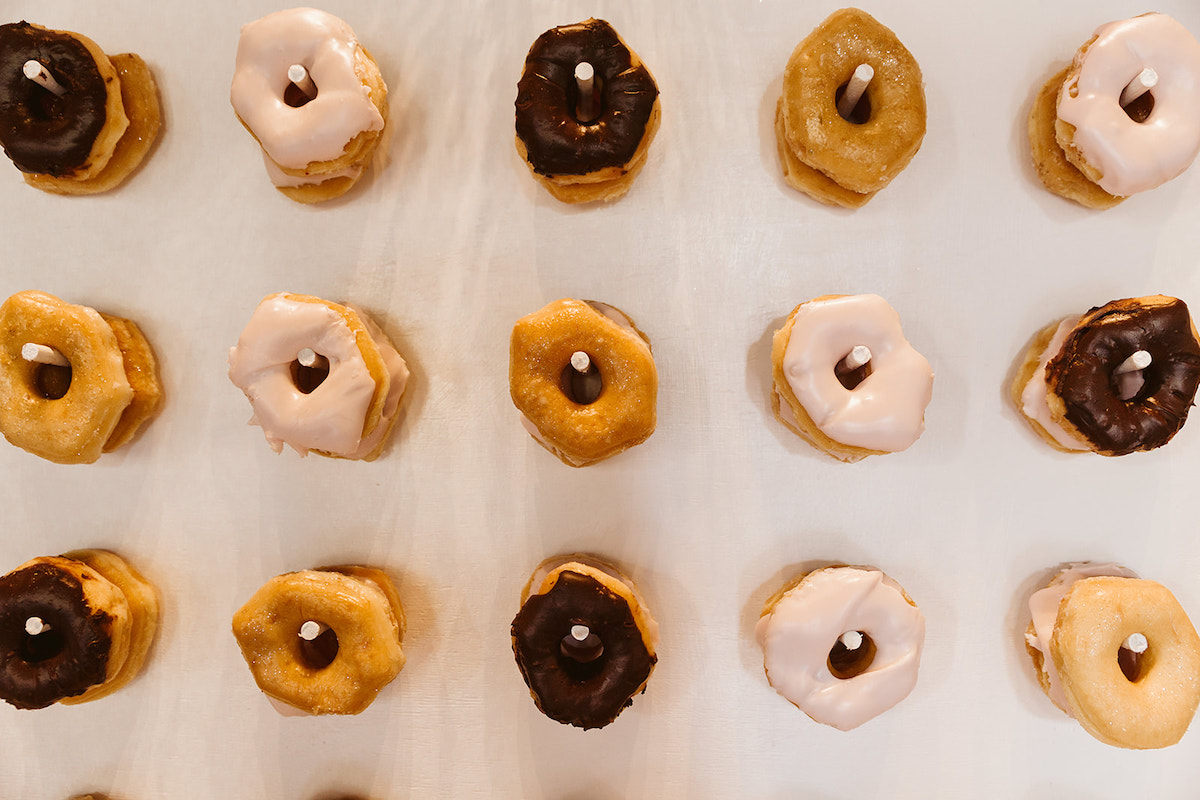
column 580, row 671
column 845, row 663
column 851, row 378
column 583, row 652
column 320, row 652
column 51, row 381
column 307, row 379
column 861, row 113
column 42, row 647
column 295, row 97
column 582, row 388
column 1134, row 666
column 1140, row 109
column 579, row 104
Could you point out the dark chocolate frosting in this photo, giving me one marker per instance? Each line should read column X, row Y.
column 559, row 144
column 591, row 694
column 1082, row 374
column 40, row 131
column 31, row 676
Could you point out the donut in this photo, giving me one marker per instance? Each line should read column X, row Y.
column 578, row 157
column 838, row 160
column 343, row 667
column 316, row 143
column 93, row 135
column 1075, row 392
column 73, row 414
column 842, row 644
column 97, row 617
column 873, row 409
column 561, row 407
column 584, row 641
column 344, row 407
column 1086, row 136
column 1081, row 639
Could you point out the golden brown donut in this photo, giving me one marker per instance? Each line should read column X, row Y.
column 102, row 616
column 1139, row 702
column 848, row 162
column 540, row 375
column 112, row 389
column 341, row 674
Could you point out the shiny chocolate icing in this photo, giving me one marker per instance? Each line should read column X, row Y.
column 556, row 141
column 1082, row 374
column 36, row 677
column 40, row 131
column 585, row 694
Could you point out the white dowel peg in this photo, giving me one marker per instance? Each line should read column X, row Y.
column 854, row 89
column 851, row 640
column 585, row 79
column 309, row 358
column 1146, row 80
column 311, row 629
column 1136, row 643
column 580, row 632
column 41, row 354
column 35, row 626
column 37, row 72
column 856, row 358
column 580, row 361
column 1139, row 360
column 298, row 75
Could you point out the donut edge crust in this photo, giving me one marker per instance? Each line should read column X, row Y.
column 1064, row 132
column 139, row 95
column 1054, row 167
column 860, row 158
column 1098, row 709
column 143, row 618
column 810, row 181
column 1033, row 357
column 807, row 430
column 31, row 315
column 141, row 370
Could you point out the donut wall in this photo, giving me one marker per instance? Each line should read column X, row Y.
column 446, row 242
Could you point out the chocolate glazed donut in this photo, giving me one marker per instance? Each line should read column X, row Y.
column 1082, row 374
column 547, row 95
column 591, row 694
column 40, row 131
column 35, row 674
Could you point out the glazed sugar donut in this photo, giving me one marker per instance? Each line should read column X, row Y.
column 841, row 161
column 1071, row 388
column 98, row 403
column 318, row 142
column 73, row 628
column 842, row 644
column 583, row 640
column 1083, row 621
column 354, row 650
column 1120, row 150
column 344, row 408
column 850, row 414
column 550, row 393
column 580, row 159
column 93, row 135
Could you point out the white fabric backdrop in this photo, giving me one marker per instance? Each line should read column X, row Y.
column 446, row 243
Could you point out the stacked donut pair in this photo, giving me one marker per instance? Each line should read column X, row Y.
column 72, row 119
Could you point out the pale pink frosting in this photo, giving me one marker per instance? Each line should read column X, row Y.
column 887, row 410
column 1131, row 156
column 332, row 417
column 799, row 632
column 327, row 47
column 1043, row 608
column 1033, row 396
